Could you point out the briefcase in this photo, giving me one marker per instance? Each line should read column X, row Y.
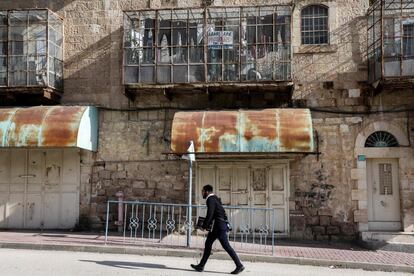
column 200, row 223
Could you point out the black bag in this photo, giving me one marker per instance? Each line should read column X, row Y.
column 200, row 223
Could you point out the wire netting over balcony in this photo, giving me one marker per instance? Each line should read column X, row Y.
column 31, row 49
column 390, row 39
column 208, row 45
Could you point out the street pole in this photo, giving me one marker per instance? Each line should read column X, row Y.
column 190, row 191
column 191, row 159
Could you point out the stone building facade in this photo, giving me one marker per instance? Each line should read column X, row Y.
column 328, row 195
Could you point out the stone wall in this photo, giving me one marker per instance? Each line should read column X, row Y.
column 93, row 45
column 328, row 192
column 321, row 205
column 401, row 127
column 132, row 144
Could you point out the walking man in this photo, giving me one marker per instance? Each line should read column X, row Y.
column 216, row 213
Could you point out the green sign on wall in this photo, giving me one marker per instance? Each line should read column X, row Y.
column 361, row 158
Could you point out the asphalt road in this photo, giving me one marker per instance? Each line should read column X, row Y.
column 45, row 263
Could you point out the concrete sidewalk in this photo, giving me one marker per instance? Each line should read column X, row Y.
column 320, row 254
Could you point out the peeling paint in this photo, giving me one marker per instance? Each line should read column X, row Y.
column 40, row 126
column 269, row 130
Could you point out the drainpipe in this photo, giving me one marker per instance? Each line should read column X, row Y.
column 120, row 221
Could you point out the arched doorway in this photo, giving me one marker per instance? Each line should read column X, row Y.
column 380, row 150
column 383, row 185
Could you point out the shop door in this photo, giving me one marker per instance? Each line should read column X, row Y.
column 248, row 185
column 39, row 188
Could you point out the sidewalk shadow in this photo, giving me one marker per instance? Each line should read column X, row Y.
column 138, row 265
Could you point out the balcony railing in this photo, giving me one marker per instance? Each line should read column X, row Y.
column 207, row 46
column 391, row 40
column 31, row 49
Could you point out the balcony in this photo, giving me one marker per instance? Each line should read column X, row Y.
column 391, row 43
column 220, row 48
column 31, row 54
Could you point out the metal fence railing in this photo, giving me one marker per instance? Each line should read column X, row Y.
column 168, row 225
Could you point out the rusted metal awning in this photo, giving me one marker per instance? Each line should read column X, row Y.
column 49, row 126
column 264, row 131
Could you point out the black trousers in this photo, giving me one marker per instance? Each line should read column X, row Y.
column 219, row 232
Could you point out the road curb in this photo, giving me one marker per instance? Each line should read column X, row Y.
column 150, row 251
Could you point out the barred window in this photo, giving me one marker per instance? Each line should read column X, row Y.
column 207, row 45
column 408, row 40
column 385, row 178
column 381, row 139
column 31, row 49
column 315, row 25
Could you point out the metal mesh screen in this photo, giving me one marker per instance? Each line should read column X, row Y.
column 390, row 39
column 31, row 49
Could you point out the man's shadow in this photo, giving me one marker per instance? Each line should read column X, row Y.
column 137, row 265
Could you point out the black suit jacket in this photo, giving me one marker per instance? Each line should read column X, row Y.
column 215, row 211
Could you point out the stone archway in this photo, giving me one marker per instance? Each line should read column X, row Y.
column 359, row 174
column 399, row 134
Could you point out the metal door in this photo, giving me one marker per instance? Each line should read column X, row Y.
column 259, row 195
column 4, row 185
column 39, row 188
column 53, row 174
column 250, row 185
column 224, row 184
column 206, row 175
column 34, row 180
column 384, row 200
column 278, row 196
column 70, row 188
column 61, row 188
column 240, row 196
column 15, row 210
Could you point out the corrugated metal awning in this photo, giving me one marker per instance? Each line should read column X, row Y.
column 264, row 131
column 49, row 126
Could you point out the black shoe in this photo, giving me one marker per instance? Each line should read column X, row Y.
column 238, row 270
column 198, row 268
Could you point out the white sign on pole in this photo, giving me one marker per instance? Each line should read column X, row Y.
column 191, row 159
column 190, row 150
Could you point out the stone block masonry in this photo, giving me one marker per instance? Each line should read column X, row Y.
column 156, row 181
column 328, row 191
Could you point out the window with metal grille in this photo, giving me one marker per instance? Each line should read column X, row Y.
column 385, row 178
column 381, row 139
column 390, row 39
column 31, row 49
column 314, row 25
column 408, row 41
column 207, row 45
